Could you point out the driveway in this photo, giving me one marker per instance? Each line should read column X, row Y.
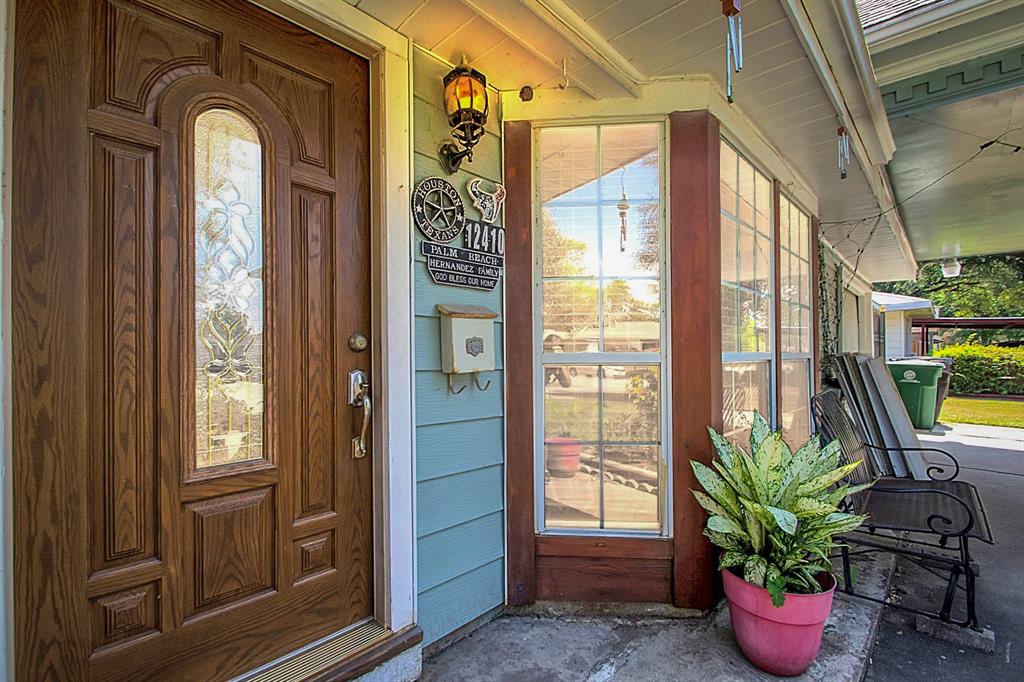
column 992, row 458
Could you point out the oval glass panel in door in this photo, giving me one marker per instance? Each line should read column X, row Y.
column 228, row 170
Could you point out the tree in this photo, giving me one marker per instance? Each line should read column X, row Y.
column 988, row 286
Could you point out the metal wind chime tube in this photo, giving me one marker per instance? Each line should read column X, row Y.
column 733, row 43
column 844, row 151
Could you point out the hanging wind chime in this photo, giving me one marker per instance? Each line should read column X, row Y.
column 733, row 43
column 623, row 207
column 844, row 151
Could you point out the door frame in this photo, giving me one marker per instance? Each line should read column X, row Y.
column 390, row 57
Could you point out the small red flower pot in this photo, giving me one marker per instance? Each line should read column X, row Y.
column 562, row 456
column 784, row 640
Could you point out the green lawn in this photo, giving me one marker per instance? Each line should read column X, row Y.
column 993, row 412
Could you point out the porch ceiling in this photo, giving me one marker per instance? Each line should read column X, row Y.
column 978, row 209
column 612, row 48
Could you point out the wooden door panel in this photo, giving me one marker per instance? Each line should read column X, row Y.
column 168, row 569
column 142, row 50
column 307, row 99
column 313, row 253
column 123, row 225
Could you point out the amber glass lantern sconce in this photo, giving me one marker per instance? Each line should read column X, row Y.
column 465, row 103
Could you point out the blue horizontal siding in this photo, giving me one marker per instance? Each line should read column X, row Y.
column 435, row 404
column 459, row 438
column 479, row 541
column 460, row 600
column 447, row 502
column 428, row 296
column 447, row 449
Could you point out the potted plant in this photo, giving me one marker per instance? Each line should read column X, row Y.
column 562, row 456
column 773, row 513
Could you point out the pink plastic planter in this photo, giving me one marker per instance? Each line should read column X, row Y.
column 562, row 456
column 781, row 641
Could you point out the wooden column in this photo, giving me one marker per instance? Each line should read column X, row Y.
column 815, row 305
column 696, row 401
column 522, row 584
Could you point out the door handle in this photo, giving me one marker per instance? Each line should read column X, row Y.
column 359, row 396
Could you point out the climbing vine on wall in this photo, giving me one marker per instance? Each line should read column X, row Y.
column 830, row 283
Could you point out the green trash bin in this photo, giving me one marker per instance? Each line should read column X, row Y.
column 917, row 381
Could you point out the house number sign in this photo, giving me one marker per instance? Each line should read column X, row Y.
column 439, row 214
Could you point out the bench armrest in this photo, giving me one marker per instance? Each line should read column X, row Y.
column 935, row 521
column 935, row 472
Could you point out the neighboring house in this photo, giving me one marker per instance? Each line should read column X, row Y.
column 228, row 442
column 896, row 313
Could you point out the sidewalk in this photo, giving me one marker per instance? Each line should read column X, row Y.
column 992, row 458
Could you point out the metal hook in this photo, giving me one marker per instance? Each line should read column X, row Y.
column 476, row 380
column 451, row 388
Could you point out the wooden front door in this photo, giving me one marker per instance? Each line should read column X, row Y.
column 191, row 254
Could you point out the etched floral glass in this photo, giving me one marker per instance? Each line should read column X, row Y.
column 228, row 170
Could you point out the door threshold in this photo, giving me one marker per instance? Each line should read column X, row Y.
column 343, row 655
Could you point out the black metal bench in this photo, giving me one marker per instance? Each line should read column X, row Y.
column 930, row 522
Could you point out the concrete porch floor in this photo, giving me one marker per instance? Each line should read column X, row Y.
column 992, row 458
column 526, row 647
column 541, row 647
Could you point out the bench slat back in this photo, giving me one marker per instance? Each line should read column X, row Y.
column 835, row 423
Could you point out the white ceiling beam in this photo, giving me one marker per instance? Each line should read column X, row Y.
column 524, row 42
column 582, row 36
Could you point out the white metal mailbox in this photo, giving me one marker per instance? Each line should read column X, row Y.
column 467, row 338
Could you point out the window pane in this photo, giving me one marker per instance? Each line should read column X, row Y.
column 635, row 252
column 571, row 402
column 745, row 388
column 727, row 167
column 629, row 162
column 795, row 409
column 568, row 164
column 569, row 241
column 572, row 484
column 762, row 265
column 602, row 449
column 730, row 311
column 746, row 258
column 631, row 487
column 748, row 322
column 632, row 316
column 730, row 230
column 631, row 397
column 228, row 169
column 570, row 316
column 763, row 206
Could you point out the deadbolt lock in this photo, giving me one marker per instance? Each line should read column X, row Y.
column 358, row 342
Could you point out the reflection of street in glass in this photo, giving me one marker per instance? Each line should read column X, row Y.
column 612, row 415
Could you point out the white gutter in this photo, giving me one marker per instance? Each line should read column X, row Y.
column 849, row 21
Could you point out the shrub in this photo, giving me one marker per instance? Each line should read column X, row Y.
column 985, row 369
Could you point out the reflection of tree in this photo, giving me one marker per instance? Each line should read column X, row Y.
column 569, row 306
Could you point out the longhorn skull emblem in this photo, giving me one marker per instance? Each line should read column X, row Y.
column 488, row 203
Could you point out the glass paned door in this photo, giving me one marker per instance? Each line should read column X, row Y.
column 600, row 302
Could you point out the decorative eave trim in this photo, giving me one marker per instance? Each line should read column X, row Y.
column 973, row 78
column 930, row 20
